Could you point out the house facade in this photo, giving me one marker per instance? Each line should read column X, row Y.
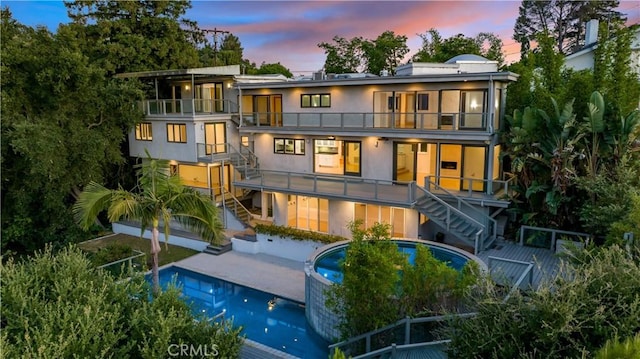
column 418, row 150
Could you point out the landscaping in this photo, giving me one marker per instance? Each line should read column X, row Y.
column 124, row 245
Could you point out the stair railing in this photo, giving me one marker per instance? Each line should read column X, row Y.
column 237, row 209
column 452, row 211
column 491, row 223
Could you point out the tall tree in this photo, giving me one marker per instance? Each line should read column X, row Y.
column 63, row 121
column 229, row 53
column 385, row 52
column 158, row 199
column 436, row 49
column 563, row 19
column 343, row 56
column 137, row 35
column 276, row 68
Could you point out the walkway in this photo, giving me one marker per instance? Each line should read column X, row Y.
column 279, row 276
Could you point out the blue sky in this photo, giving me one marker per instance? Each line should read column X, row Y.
column 289, row 31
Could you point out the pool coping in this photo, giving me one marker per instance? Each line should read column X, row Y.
column 309, row 264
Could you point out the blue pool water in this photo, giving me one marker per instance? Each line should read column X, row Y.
column 328, row 265
column 265, row 318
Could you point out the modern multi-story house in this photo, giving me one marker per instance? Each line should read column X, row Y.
column 418, row 150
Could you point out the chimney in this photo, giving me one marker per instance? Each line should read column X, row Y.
column 591, row 32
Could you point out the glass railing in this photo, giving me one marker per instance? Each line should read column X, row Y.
column 370, row 120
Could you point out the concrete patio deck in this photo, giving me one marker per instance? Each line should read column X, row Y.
column 278, row 276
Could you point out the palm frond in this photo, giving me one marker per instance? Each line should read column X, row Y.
column 94, row 199
column 125, row 204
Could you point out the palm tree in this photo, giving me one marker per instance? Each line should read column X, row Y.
column 158, row 197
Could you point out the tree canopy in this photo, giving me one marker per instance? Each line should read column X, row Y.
column 436, row 49
column 563, row 20
column 137, row 35
column 63, row 122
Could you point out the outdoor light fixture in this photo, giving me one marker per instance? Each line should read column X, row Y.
column 331, row 137
column 187, row 87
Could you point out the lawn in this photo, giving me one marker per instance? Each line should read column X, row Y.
column 166, row 256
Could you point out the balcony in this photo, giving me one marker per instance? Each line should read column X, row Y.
column 187, row 107
column 355, row 121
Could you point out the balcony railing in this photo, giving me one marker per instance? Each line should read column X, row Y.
column 338, row 186
column 189, row 107
column 361, row 120
column 474, row 187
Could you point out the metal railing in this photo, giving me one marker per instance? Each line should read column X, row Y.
column 396, row 338
column 187, row 107
column 490, row 225
column 547, row 237
column 475, row 186
column 401, row 193
column 500, row 273
column 447, row 121
column 452, row 212
column 128, row 265
column 373, row 342
column 236, row 207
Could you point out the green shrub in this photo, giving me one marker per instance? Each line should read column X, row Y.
column 111, row 253
column 614, row 349
column 590, row 301
column 61, row 306
column 297, row 234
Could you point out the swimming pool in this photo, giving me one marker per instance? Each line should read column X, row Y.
column 322, row 270
column 328, row 263
column 267, row 319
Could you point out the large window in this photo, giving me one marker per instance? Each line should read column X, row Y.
column 144, row 132
column 289, row 146
column 215, row 137
column 315, row 100
column 308, row 213
column 176, row 132
column 369, row 214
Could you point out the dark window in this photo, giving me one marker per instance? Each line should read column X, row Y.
column 423, row 102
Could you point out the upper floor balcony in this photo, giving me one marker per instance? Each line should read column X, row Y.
column 187, row 107
column 377, row 123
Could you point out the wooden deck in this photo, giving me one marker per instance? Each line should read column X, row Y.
column 545, row 261
column 351, row 188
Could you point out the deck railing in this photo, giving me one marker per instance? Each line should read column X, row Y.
column 370, row 344
column 187, row 107
column 475, row 186
column 499, row 267
column 447, row 121
column 490, row 225
column 127, row 266
column 341, row 186
column 547, row 237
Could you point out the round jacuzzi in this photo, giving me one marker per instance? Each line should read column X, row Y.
column 323, row 270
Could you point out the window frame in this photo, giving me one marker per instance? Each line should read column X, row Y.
column 323, row 100
column 180, row 133
column 144, row 131
column 289, row 146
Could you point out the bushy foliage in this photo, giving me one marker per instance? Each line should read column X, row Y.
column 297, row 234
column 614, row 349
column 588, row 302
column 60, row 306
column 380, row 286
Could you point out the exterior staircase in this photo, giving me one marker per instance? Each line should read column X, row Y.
column 231, row 203
column 478, row 231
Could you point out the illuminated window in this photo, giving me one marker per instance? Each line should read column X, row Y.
column 176, row 132
column 315, row 100
column 143, row 131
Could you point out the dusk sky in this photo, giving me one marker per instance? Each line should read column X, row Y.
column 289, row 31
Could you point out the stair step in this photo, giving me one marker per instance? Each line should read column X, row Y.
column 224, row 247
